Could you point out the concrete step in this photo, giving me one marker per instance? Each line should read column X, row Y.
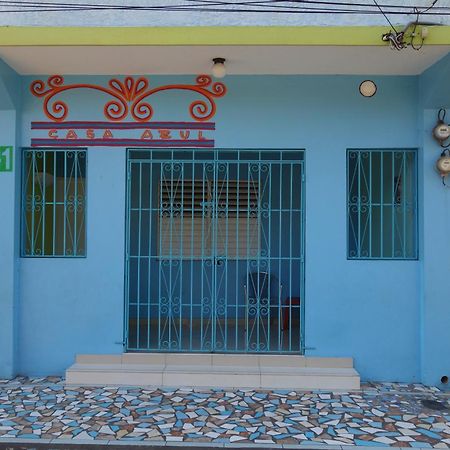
column 214, row 370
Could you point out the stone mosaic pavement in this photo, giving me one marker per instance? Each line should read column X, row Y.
column 386, row 414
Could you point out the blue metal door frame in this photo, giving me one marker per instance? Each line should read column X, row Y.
column 215, row 251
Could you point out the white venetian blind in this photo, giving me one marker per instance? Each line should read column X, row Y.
column 197, row 216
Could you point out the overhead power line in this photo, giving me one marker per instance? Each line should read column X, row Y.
column 38, row 4
column 384, row 14
column 261, row 6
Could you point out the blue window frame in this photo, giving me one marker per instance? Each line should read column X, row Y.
column 54, row 203
column 382, row 204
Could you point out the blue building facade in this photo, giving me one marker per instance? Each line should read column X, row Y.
column 285, row 143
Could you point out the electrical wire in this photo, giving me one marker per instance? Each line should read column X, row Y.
column 413, row 33
column 385, row 16
column 266, row 6
column 317, row 2
column 39, row 5
column 430, row 7
column 218, row 10
column 401, row 40
column 406, row 9
column 213, row 2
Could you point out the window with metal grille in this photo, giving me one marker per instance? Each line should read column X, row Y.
column 202, row 218
column 54, row 203
column 382, row 204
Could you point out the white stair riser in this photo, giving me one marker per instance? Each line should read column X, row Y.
column 200, row 370
column 217, row 359
column 241, row 380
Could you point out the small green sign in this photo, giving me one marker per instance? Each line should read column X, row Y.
column 6, row 159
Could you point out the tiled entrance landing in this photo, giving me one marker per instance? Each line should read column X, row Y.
column 394, row 415
column 214, row 370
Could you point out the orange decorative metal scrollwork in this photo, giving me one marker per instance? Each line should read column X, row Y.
column 129, row 97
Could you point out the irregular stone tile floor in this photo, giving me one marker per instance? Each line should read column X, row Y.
column 381, row 414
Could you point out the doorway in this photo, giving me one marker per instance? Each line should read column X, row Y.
column 215, row 251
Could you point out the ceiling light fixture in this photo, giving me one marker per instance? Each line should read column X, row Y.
column 218, row 69
column 367, row 88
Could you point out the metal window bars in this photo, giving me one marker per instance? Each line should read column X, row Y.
column 382, row 204
column 54, row 203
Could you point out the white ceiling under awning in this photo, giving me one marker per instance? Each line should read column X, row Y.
column 241, row 60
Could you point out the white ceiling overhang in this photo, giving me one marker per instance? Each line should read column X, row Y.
column 241, row 59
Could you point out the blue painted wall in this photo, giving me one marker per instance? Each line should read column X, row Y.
column 352, row 307
column 10, row 94
column 366, row 309
column 435, row 221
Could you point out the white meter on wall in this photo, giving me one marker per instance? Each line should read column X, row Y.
column 441, row 132
column 443, row 164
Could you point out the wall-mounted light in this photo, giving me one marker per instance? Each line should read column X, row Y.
column 218, row 69
column 367, row 88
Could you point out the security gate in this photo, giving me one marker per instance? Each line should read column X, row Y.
column 214, row 251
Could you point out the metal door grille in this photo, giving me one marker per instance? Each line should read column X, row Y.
column 214, row 251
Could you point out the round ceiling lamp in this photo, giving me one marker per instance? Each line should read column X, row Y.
column 367, row 88
column 218, row 69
